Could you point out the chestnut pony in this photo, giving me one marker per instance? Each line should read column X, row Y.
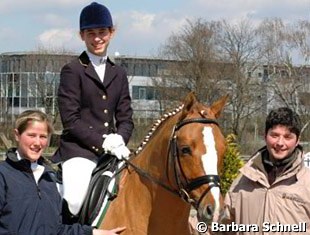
column 175, row 167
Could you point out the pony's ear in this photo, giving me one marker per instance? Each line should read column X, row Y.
column 218, row 106
column 189, row 101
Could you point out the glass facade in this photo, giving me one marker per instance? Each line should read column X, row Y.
column 19, row 91
column 29, row 81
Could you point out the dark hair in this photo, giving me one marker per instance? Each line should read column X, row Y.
column 23, row 119
column 286, row 117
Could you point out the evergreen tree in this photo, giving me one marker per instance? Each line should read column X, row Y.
column 232, row 163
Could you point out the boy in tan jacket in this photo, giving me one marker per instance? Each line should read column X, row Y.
column 272, row 193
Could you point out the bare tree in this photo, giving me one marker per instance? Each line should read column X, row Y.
column 192, row 62
column 284, row 46
column 299, row 34
column 238, row 47
column 212, row 59
column 43, row 82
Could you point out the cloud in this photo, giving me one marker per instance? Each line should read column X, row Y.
column 14, row 6
column 142, row 21
column 140, row 28
column 67, row 39
column 140, row 33
column 54, row 20
column 48, row 3
column 237, row 9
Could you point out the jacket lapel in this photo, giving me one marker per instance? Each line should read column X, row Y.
column 91, row 72
column 110, row 70
column 110, row 73
column 89, row 68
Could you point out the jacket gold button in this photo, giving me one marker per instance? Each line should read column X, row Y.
column 106, row 124
column 104, row 97
column 105, row 111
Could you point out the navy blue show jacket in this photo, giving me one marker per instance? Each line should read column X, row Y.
column 90, row 108
column 28, row 208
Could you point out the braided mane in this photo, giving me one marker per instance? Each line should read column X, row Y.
column 155, row 125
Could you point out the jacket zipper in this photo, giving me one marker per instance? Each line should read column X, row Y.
column 264, row 217
column 39, row 192
column 37, row 184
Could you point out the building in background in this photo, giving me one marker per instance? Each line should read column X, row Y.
column 29, row 80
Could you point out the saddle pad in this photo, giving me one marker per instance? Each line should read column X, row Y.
column 102, row 190
column 106, row 202
column 112, row 189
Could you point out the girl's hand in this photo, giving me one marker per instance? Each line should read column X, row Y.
column 114, row 231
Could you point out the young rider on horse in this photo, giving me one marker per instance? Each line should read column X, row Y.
column 95, row 107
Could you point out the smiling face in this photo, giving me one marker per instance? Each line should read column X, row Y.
column 280, row 142
column 97, row 40
column 33, row 140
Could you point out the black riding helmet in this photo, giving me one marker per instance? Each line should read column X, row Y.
column 95, row 15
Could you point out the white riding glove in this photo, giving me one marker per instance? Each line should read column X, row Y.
column 115, row 145
column 121, row 152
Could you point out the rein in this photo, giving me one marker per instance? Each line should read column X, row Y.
column 174, row 159
column 152, row 179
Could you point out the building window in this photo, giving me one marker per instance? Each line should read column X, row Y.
column 23, row 102
column 137, row 69
column 153, row 70
column 32, row 102
column 124, row 65
column 16, row 102
column 145, row 70
column 144, row 93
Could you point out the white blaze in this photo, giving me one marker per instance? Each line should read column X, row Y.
column 209, row 161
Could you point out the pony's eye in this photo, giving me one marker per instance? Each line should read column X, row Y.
column 186, row 150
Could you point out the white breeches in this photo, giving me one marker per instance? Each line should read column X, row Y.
column 76, row 175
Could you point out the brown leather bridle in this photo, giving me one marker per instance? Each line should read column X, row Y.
column 183, row 189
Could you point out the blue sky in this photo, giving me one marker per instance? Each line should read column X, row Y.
column 142, row 25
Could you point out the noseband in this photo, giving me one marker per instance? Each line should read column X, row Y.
column 174, row 161
column 185, row 189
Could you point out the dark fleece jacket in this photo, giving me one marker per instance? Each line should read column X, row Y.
column 28, row 208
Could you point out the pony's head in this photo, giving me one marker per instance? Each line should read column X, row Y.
column 197, row 150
